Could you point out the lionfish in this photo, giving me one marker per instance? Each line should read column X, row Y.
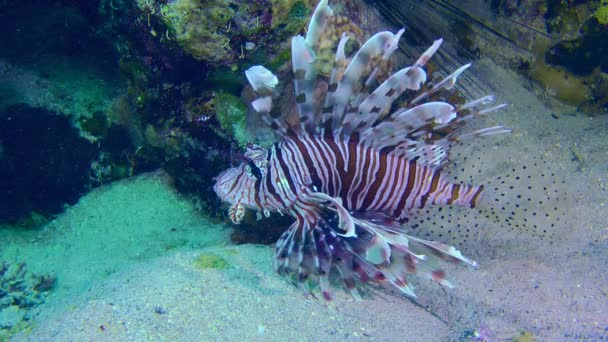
column 352, row 170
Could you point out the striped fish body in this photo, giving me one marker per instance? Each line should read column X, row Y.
column 365, row 178
column 302, row 175
column 353, row 169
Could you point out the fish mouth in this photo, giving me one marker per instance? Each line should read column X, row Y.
column 218, row 181
column 223, row 183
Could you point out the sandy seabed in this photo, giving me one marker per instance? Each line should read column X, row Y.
column 126, row 275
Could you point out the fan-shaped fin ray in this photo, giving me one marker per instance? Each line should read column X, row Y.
column 346, row 90
column 263, row 82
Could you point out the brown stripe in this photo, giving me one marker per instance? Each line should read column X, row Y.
column 365, row 167
column 348, row 176
column 379, row 178
column 286, row 171
column 411, row 176
column 455, row 189
column 316, row 181
column 396, row 173
column 325, row 160
column 339, row 161
column 270, row 186
column 432, row 188
column 422, row 176
column 476, row 196
column 236, row 181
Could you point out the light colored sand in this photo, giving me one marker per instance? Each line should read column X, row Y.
column 247, row 302
column 108, row 229
column 557, row 289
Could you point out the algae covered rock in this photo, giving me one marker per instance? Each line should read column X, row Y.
column 231, row 114
column 200, row 26
column 583, row 61
column 20, row 291
column 601, row 13
column 292, row 14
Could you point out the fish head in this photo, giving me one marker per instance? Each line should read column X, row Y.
column 237, row 184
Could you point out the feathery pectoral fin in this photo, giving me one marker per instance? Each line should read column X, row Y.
column 371, row 248
column 395, row 254
column 309, row 249
column 345, row 223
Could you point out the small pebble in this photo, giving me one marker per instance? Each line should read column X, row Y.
column 261, row 329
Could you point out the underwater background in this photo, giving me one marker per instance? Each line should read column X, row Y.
column 116, row 115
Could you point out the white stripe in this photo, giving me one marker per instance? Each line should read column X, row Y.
column 296, row 165
column 372, row 172
column 387, row 183
column 335, row 177
column 319, row 164
column 404, row 174
column 359, row 153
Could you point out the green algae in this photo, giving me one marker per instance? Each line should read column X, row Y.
column 230, row 112
column 282, row 57
column 297, row 17
column 601, row 14
column 209, row 260
column 524, row 336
